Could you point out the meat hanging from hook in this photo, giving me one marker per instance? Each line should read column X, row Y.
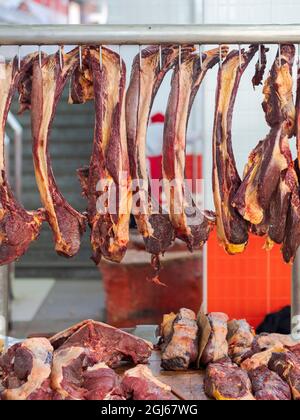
column 61, row 60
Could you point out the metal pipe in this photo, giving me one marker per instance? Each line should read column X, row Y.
column 295, row 315
column 18, row 146
column 147, row 34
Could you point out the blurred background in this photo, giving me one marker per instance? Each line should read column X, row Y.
column 48, row 292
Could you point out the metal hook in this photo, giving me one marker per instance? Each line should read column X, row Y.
column 220, row 57
column 259, row 57
column 180, row 55
column 279, row 55
column 120, row 56
column 61, row 61
column 80, row 57
column 100, row 57
column 160, row 57
column 40, row 56
column 201, row 58
column 298, row 64
column 19, row 57
column 240, row 57
column 140, row 56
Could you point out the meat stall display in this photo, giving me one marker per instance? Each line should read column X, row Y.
column 197, row 355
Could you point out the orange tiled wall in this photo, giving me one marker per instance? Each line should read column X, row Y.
column 249, row 285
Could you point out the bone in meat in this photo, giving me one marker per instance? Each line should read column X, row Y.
column 106, row 183
column 272, row 156
column 18, row 227
column 27, row 368
column 231, row 228
column 147, row 74
column 48, row 83
column 179, row 344
column 191, row 224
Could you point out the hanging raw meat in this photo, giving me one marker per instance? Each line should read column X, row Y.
column 264, row 182
column 232, row 229
column 147, row 74
column 49, row 80
column 18, row 227
column 190, row 223
column 106, row 183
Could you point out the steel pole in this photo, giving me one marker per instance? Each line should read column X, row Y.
column 147, row 34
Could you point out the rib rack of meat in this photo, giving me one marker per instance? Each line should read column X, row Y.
column 48, row 82
column 191, row 224
column 18, row 227
column 148, row 71
column 27, row 369
column 106, row 183
column 231, row 228
column 179, row 341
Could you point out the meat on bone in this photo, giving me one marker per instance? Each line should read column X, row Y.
column 104, row 343
column 48, row 82
column 106, row 183
column 18, row 227
column 240, row 338
column 148, row 71
column 270, row 179
column 232, row 229
column 139, row 383
column 191, row 224
column 180, row 345
column 27, row 370
column 217, row 346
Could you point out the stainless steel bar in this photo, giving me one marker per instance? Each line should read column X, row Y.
column 147, row 34
column 295, row 315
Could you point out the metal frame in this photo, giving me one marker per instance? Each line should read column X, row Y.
column 162, row 34
column 147, row 34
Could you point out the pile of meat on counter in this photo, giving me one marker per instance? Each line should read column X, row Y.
column 79, row 364
column 264, row 201
column 93, row 361
column 239, row 365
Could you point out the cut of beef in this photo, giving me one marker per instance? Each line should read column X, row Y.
column 78, row 375
column 104, row 343
column 190, row 223
column 226, row 381
column 254, row 361
column 263, row 196
column 27, row 368
column 217, row 346
column 240, row 338
column 18, row 227
column 268, row 386
column 147, row 74
column 179, row 343
column 231, row 228
column 288, row 368
column 48, row 83
column 106, row 183
column 139, row 383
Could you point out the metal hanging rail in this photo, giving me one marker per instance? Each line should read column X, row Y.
column 147, row 34
column 160, row 34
